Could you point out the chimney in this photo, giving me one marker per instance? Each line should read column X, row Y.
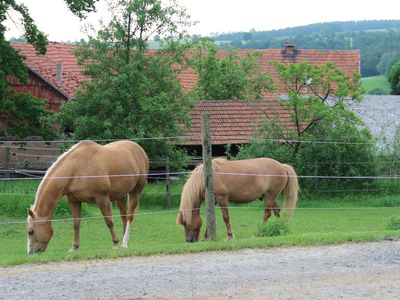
column 289, row 50
column 59, row 72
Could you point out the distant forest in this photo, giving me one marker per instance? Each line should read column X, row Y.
column 378, row 41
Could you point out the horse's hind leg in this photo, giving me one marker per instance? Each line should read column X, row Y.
column 104, row 204
column 75, row 207
column 121, row 204
column 223, row 202
column 270, row 205
column 133, row 202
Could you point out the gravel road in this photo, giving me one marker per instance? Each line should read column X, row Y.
column 350, row 271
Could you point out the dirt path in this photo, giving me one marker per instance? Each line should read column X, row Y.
column 350, row 271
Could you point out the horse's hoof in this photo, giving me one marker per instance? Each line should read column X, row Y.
column 73, row 249
column 230, row 237
column 124, row 245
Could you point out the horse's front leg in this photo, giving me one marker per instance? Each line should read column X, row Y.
column 205, row 238
column 76, row 207
column 223, row 202
column 104, row 204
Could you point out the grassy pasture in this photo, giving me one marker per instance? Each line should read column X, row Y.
column 316, row 221
column 374, row 82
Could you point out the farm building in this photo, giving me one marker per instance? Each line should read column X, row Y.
column 381, row 114
column 56, row 76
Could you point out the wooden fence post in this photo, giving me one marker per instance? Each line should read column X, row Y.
column 167, row 183
column 208, row 178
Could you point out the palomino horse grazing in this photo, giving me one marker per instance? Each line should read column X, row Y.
column 93, row 173
column 239, row 181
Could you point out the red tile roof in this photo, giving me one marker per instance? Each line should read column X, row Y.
column 45, row 65
column 231, row 121
column 236, row 121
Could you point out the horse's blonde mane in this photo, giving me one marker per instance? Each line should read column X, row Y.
column 49, row 170
column 192, row 190
column 190, row 193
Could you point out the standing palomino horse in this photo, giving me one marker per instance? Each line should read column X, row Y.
column 239, row 181
column 93, row 173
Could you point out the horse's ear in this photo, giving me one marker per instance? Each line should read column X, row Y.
column 31, row 213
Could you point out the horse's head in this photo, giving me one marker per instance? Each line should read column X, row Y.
column 192, row 226
column 39, row 233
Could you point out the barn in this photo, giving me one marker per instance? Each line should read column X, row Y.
column 56, row 76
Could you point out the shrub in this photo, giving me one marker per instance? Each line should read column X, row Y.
column 393, row 223
column 377, row 91
column 274, row 227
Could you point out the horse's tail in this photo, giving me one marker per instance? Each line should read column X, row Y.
column 291, row 190
column 192, row 191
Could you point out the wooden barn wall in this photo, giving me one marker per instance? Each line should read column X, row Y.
column 40, row 89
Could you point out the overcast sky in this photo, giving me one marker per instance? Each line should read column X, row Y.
column 53, row 17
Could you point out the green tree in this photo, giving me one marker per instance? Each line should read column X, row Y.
column 316, row 94
column 388, row 153
column 132, row 92
column 387, row 61
column 394, row 79
column 321, row 137
column 23, row 113
column 231, row 77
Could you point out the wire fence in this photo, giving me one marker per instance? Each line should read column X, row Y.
column 176, row 211
column 37, row 175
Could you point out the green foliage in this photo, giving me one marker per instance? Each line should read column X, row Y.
column 388, row 154
column 319, row 115
column 132, row 94
column 393, row 223
column 33, row 35
column 376, row 40
column 387, row 62
column 231, row 77
column 345, row 160
column 81, row 7
column 394, row 79
column 24, row 114
column 274, row 227
column 377, row 91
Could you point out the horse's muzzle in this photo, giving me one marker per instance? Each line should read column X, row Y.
column 35, row 251
column 190, row 239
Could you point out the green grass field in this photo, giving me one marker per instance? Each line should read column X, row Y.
column 375, row 82
column 316, row 221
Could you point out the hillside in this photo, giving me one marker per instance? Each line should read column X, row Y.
column 378, row 41
column 312, row 29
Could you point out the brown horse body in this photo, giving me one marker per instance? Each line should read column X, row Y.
column 239, row 181
column 90, row 172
